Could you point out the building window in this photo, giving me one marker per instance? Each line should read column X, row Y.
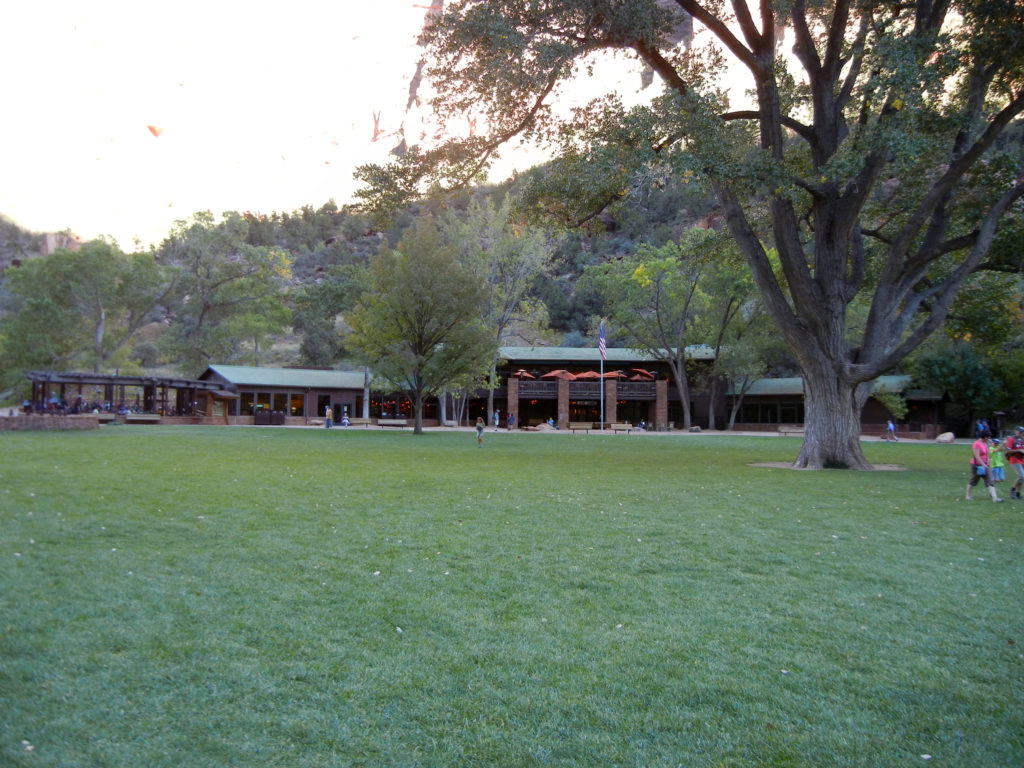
column 245, row 403
column 792, row 413
column 297, row 405
column 767, row 413
column 280, row 402
column 263, row 401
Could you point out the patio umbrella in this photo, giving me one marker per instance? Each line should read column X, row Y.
column 644, row 373
column 615, row 375
column 522, row 373
column 588, row 375
column 561, row 373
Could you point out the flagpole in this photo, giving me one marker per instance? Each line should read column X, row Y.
column 601, row 349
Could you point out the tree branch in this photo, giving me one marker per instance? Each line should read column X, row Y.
column 719, row 29
column 957, row 168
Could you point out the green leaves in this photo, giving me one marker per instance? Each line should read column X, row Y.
column 419, row 325
column 230, row 292
column 79, row 309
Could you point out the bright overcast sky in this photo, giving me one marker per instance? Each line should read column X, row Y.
column 261, row 105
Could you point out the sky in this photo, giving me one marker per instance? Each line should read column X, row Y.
column 260, row 106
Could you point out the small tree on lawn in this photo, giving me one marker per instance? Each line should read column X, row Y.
column 652, row 296
column 418, row 326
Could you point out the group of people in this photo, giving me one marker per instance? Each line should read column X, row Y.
column 989, row 457
column 60, row 406
column 329, row 418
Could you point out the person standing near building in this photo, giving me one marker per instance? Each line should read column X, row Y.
column 479, row 431
column 497, row 419
column 981, row 468
column 890, row 431
column 328, row 415
column 1015, row 457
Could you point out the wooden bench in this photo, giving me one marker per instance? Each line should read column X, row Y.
column 142, row 418
column 360, row 422
column 585, row 426
column 392, row 422
column 791, row 430
column 627, row 427
column 105, row 418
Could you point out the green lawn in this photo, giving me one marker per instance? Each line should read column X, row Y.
column 195, row 596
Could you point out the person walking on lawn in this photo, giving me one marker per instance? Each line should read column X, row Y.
column 1015, row 456
column 981, row 468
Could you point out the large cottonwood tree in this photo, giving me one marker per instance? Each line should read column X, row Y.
column 873, row 159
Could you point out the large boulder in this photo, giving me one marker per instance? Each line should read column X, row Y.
column 945, row 437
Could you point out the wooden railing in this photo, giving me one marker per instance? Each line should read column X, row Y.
column 538, row 389
column 629, row 390
column 636, row 390
column 585, row 389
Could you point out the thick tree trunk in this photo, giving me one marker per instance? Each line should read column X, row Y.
column 101, row 329
column 713, row 403
column 366, row 392
column 832, row 423
column 678, row 369
column 737, row 404
column 417, row 409
column 490, row 391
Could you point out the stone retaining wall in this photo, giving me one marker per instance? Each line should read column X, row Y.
column 44, row 422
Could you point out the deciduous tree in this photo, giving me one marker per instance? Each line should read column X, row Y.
column 231, row 293
column 507, row 257
column 80, row 309
column 419, row 325
column 653, row 296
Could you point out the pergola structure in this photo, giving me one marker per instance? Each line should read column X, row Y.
column 152, row 393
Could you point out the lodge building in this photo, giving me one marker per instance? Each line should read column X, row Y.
column 562, row 385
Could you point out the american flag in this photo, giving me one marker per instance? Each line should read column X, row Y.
column 601, row 346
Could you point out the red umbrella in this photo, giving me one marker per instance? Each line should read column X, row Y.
column 559, row 374
column 588, row 375
column 522, row 373
column 615, row 375
column 645, row 374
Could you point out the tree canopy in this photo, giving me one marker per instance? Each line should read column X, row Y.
column 79, row 308
column 419, row 326
column 230, row 291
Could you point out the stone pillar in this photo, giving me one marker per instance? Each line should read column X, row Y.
column 563, row 404
column 611, row 400
column 513, row 399
column 661, row 405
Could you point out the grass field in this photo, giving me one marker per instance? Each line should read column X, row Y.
column 190, row 596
